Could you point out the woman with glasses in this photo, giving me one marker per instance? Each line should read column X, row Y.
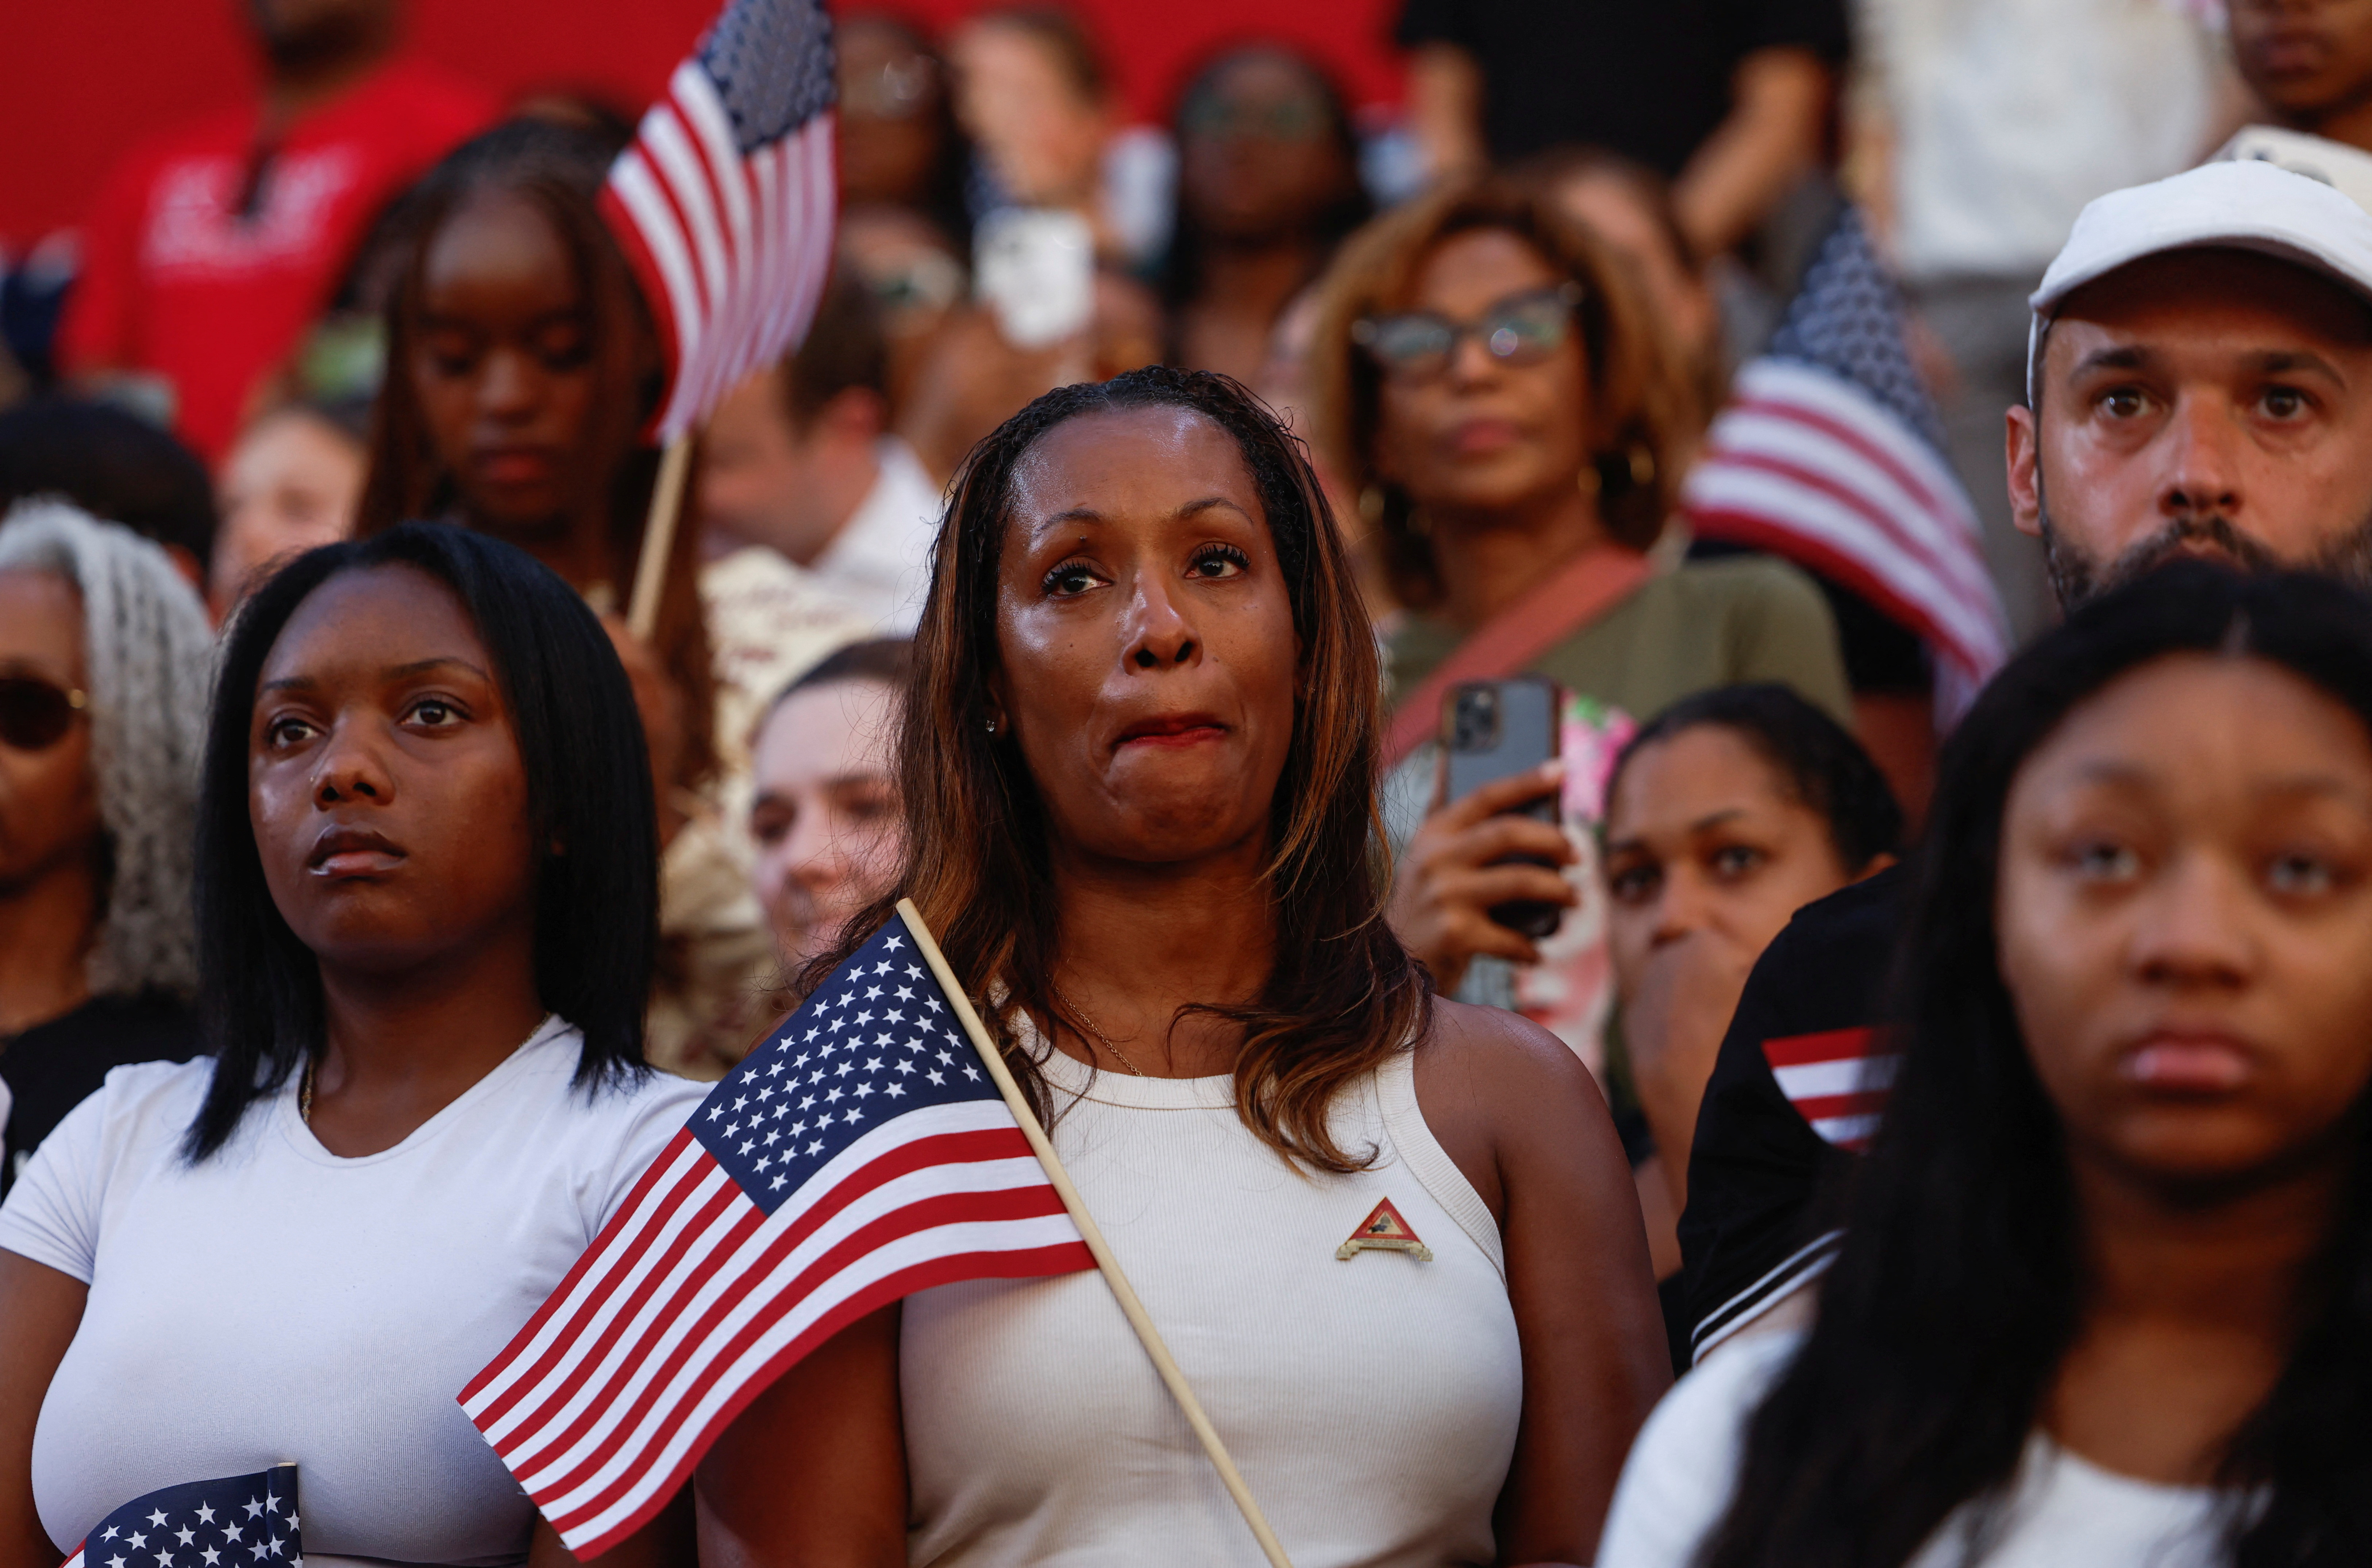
column 1492, row 382
column 1268, row 185
column 103, row 662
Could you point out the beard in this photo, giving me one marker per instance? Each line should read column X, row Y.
column 2076, row 574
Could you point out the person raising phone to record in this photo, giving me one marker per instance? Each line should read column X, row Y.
column 1514, row 421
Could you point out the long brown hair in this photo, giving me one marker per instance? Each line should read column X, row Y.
column 1642, row 407
column 1344, row 995
column 558, row 171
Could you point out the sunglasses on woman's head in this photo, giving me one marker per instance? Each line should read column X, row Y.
column 35, row 713
column 1522, row 328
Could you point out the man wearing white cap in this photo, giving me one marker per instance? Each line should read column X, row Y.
column 2200, row 381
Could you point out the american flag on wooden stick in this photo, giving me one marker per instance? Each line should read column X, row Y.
column 1829, row 454
column 724, row 204
column 861, row 1156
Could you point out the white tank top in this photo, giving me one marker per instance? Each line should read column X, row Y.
column 1371, row 1401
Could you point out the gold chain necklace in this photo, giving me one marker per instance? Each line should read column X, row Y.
column 305, row 1094
column 1102, row 1038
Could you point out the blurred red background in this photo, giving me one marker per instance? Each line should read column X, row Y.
column 81, row 82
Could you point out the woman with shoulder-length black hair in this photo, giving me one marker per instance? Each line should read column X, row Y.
column 426, row 892
column 2105, row 1291
column 1138, row 762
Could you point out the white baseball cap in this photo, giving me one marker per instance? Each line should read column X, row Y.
column 2244, row 205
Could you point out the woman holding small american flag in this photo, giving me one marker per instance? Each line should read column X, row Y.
column 428, row 904
column 1390, row 1239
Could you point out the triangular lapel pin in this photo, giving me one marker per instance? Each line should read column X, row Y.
column 1385, row 1230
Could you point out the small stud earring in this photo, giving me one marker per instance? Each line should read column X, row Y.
column 992, row 723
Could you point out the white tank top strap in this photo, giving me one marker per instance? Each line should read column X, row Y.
column 1429, row 1162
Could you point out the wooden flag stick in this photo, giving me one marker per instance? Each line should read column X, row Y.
column 1147, row 1335
column 658, row 537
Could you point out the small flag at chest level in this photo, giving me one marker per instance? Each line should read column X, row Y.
column 240, row 1521
column 725, row 202
column 862, row 1155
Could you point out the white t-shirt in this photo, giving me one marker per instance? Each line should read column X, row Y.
column 880, row 563
column 2062, row 1511
column 2009, row 115
column 278, row 1303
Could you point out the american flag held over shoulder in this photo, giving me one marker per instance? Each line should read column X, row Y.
column 237, row 1521
column 861, row 1155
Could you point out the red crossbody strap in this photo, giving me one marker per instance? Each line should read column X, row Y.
column 1586, row 587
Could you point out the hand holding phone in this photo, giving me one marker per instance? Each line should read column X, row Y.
column 1493, row 840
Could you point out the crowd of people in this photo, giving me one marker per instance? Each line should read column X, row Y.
column 1960, row 1087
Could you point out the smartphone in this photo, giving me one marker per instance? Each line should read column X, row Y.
column 1035, row 267
column 1497, row 729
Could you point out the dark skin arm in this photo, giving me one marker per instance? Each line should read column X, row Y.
column 1522, row 1118
column 814, row 1469
column 665, row 1542
column 42, row 1308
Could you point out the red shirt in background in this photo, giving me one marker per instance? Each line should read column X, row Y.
column 176, row 281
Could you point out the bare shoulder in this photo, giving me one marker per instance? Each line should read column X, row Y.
column 1501, row 1052
column 1497, row 1090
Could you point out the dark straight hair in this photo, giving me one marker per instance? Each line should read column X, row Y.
column 1960, row 1288
column 1344, row 995
column 588, row 792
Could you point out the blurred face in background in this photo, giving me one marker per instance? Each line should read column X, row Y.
column 916, row 277
column 1483, row 432
column 1042, row 131
column 892, row 99
column 504, row 367
column 291, row 483
column 1708, row 848
column 826, row 820
column 2306, row 60
column 1258, row 154
column 297, row 34
column 49, row 805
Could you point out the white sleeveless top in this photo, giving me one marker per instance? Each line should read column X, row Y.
column 1370, row 1402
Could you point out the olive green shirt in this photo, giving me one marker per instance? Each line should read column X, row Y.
column 1708, row 623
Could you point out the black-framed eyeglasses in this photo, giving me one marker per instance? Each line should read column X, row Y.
column 36, row 713
column 1522, row 328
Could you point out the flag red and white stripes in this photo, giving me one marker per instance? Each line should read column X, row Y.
column 1806, row 464
column 1835, row 1081
column 730, row 232
column 859, row 1158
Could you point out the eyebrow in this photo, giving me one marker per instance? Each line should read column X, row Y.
column 393, row 672
column 1190, row 509
column 2127, row 775
column 1711, row 820
column 2264, row 362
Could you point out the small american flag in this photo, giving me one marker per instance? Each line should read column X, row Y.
column 1829, row 454
column 723, row 204
column 1835, row 1081
column 240, row 1521
column 861, row 1156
